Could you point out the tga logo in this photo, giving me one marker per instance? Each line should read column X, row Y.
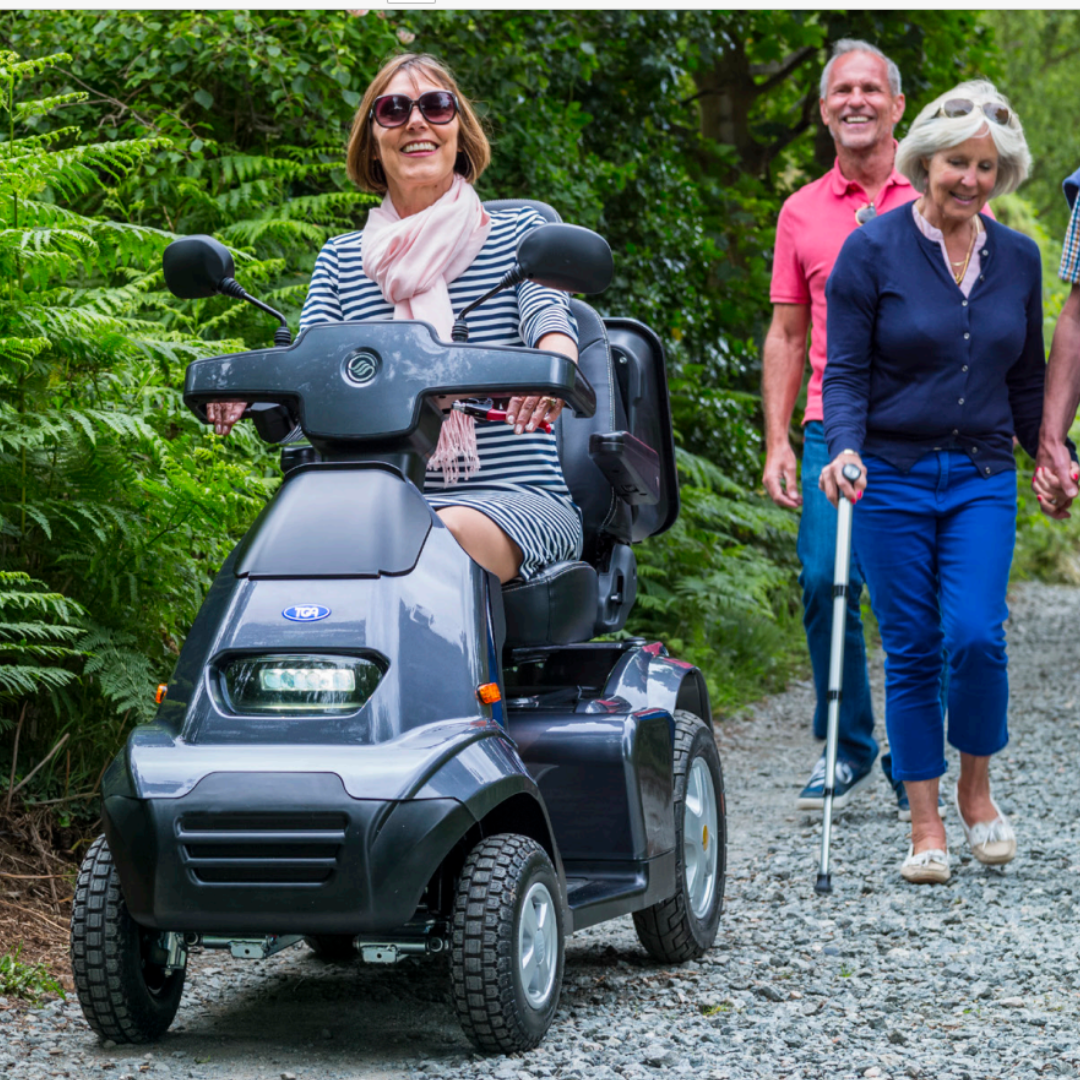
column 306, row 613
column 362, row 367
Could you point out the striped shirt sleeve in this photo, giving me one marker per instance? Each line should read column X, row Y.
column 1070, row 256
column 323, row 302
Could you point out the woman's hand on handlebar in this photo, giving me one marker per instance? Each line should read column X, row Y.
column 833, row 482
column 528, row 413
column 224, row 414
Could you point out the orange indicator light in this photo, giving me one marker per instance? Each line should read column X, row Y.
column 162, row 690
column 489, row 693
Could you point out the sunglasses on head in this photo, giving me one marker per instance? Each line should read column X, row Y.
column 394, row 110
column 956, row 107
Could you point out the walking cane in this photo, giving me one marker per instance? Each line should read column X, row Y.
column 841, row 576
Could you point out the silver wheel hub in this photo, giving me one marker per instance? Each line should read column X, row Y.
column 538, row 945
column 701, row 838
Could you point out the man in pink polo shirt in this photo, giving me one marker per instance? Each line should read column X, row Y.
column 861, row 103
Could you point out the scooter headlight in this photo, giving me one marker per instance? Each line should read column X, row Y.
column 299, row 685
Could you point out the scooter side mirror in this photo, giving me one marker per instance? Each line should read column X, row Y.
column 566, row 257
column 195, row 267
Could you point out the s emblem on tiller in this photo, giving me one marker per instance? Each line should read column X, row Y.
column 306, row 613
column 361, row 367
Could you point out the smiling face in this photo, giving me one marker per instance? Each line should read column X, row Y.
column 418, row 158
column 959, row 180
column 859, row 109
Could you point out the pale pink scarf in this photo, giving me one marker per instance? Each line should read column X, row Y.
column 413, row 260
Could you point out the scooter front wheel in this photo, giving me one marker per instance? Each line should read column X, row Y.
column 684, row 927
column 506, row 961
column 125, row 995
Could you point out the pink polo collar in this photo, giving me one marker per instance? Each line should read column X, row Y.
column 841, row 185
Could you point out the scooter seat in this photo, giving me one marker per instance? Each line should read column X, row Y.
column 556, row 607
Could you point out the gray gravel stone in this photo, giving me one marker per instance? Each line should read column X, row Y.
column 978, row 978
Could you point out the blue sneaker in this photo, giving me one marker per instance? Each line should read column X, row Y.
column 903, row 807
column 848, row 781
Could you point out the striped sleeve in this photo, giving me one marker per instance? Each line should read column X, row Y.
column 543, row 311
column 323, row 302
column 1070, row 255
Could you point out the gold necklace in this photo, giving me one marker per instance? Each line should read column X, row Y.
column 959, row 274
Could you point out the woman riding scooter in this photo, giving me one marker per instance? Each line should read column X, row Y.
column 430, row 249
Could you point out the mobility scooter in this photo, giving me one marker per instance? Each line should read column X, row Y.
column 367, row 743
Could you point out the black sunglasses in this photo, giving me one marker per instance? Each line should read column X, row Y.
column 394, row 110
column 956, row 107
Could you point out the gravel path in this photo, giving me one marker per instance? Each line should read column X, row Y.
column 976, row 979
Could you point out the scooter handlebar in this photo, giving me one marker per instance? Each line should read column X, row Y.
column 367, row 381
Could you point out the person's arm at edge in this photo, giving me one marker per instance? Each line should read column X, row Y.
column 783, row 360
column 1062, row 396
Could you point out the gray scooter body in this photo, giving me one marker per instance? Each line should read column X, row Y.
column 230, row 824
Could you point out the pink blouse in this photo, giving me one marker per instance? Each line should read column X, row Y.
column 973, row 267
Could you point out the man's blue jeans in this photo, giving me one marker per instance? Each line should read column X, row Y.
column 817, row 553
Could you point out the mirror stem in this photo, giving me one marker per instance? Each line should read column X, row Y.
column 231, row 287
column 460, row 332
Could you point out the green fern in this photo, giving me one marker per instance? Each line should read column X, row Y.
column 124, row 673
column 36, row 634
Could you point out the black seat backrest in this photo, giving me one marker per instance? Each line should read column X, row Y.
column 604, row 516
column 624, row 361
column 641, row 374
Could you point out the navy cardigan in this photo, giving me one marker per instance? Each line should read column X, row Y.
column 913, row 366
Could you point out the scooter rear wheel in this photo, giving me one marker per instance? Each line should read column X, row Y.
column 684, row 927
column 506, row 960
column 124, row 994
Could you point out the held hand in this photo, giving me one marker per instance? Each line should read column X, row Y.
column 1054, row 497
column 834, row 483
column 1055, row 479
column 528, row 413
column 224, row 414
column 781, row 477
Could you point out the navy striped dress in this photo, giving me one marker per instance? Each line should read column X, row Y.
column 520, row 483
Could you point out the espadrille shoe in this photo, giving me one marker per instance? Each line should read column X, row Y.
column 991, row 842
column 926, row 868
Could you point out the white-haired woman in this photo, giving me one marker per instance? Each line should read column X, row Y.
column 935, row 361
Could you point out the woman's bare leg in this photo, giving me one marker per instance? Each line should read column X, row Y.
column 973, row 789
column 483, row 541
column 927, row 828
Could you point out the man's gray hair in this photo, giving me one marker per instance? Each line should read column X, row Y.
column 850, row 45
column 931, row 133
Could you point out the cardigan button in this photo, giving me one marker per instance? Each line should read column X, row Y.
column 963, row 303
column 985, row 252
column 956, row 431
column 987, row 470
column 960, row 402
column 964, row 368
column 966, row 336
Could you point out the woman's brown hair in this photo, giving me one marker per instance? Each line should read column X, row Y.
column 364, row 168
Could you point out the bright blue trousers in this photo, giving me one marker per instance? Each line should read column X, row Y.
column 935, row 546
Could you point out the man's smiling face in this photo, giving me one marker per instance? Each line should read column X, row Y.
column 859, row 109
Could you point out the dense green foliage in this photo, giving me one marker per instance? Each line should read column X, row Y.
column 676, row 134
